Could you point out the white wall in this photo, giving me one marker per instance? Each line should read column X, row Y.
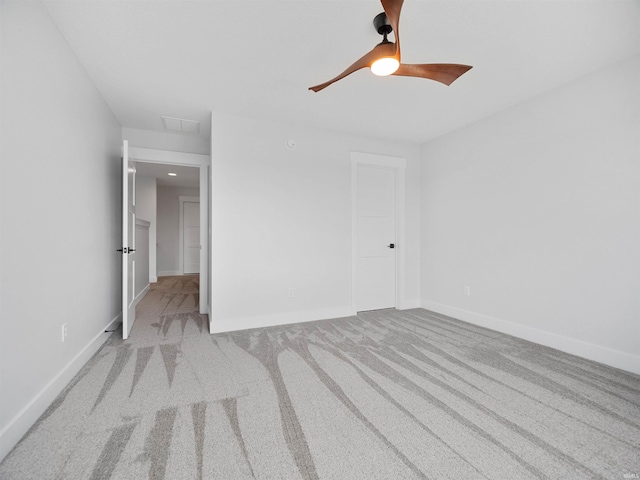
column 176, row 142
column 146, row 208
column 168, row 234
column 282, row 219
column 537, row 210
column 60, row 216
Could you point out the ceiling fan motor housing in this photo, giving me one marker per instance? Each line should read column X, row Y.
column 382, row 25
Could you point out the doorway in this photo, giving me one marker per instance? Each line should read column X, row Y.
column 201, row 163
column 189, row 230
column 376, row 238
column 378, row 188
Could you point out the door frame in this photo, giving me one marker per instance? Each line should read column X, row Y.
column 203, row 162
column 390, row 163
column 182, row 199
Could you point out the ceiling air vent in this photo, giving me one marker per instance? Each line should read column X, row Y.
column 180, row 125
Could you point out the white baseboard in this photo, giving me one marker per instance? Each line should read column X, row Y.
column 23, row 421
column 169, row 273
column 590, row 351
column 141, row 295
column 258, row 321
column 153, row 280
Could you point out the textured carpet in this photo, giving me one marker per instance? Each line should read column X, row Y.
column 384, row 395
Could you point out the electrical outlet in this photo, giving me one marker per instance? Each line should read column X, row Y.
column 64, row 331
column 467, row 291
column 291, row 292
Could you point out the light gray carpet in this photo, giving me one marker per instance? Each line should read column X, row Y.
column 384, row 395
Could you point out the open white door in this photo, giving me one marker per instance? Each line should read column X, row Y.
column 128, row 241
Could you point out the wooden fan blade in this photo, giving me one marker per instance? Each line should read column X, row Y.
column 392, row 9
column 445, row 73
column 381, row 50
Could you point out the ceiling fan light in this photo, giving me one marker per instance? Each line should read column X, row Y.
column 385, row 66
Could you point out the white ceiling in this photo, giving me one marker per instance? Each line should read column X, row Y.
column 185, row 176
column 257, row 58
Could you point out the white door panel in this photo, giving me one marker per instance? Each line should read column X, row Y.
column 371, row 230
column 376, row 191
column 376, row 227
column 191, row 237
column 128, row 241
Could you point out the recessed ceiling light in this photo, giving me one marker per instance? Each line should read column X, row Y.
column 172, row 174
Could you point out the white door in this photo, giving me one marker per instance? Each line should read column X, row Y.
column 128, row 241
column 376, row 232
column 191, row 237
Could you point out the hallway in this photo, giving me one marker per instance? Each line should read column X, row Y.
column 169, row 311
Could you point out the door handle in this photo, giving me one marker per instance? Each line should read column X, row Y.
column 392, row 245
column 126, row 250
column 131, row 250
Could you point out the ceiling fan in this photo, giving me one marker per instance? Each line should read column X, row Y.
column 384, row 59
